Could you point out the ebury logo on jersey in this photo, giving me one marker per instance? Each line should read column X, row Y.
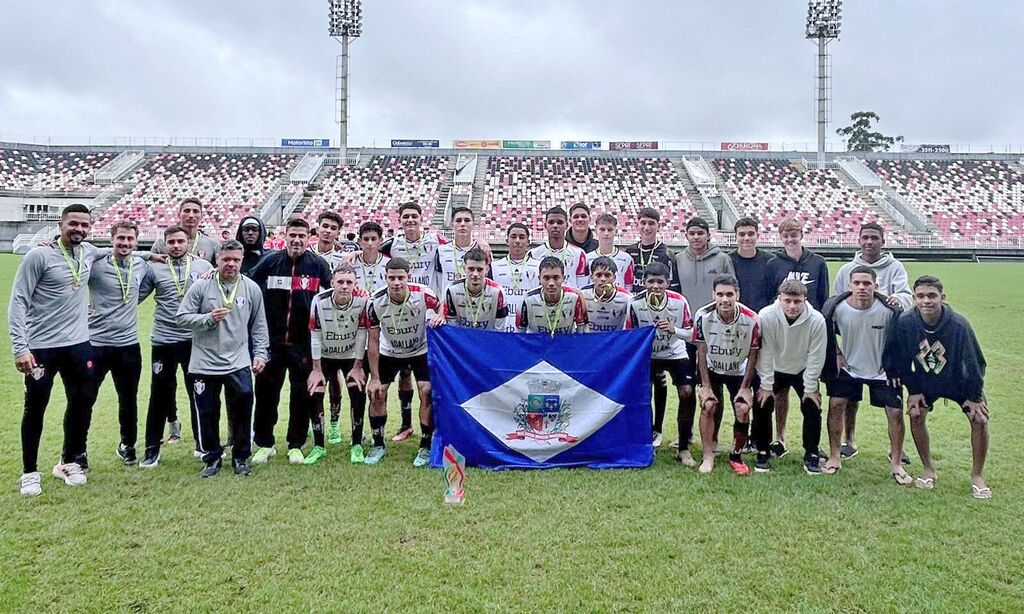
column 801, row 276
column 932, row 356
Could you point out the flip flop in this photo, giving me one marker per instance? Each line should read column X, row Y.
column 909, row 479
column 924, row 483
column 830, row 470
column 979, row 492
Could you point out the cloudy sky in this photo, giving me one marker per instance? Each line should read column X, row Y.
column 673, row 70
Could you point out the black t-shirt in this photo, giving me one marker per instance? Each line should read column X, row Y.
column 755, row 280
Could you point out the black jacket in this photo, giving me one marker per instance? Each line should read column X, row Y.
column 831, row 369
column 289, row 287
column 252, row 253
column 756, row 289
column 946, row 362
column 588, row 245
column 811, row 270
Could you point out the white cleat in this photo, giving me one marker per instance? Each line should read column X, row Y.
column 31, row 484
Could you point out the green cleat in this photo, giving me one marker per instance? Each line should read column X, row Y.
column 356, row 454
column 315, row 455
column 422, row 458
column 262, row 455
column 295, row 456
column 375, row 456
column 334, row 433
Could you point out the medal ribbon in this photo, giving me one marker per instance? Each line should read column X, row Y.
column 229, row 299
column 180, row 282
column 76, row 275
column 126, row 283
column 556, row 312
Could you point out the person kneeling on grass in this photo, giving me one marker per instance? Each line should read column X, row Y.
column 935, row 354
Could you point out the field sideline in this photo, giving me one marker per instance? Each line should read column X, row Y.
column 339, row 537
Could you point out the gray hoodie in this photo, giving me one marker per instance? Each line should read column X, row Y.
column 791, row 348
column 892, row 277
column 697, row 273
column 219, row 348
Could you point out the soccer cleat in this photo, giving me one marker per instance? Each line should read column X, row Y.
column 847, row 451
column 763, row 462
column 739, row 467
column 376, row 455
column 242, row 467
column 126, row 454
column 211, row 469
column 31, row 484
column 356, row 454
column 422, row 458
column 656, row 442
column 334, row 432
column 71, row 473
column 174, row 431
column 812, row 465
column 295, row 456
column 403, row 434
column 314, row 455
column 150, row 459
column 778, row 449
column 262, row 455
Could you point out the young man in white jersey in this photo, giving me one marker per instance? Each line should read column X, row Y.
column 553, row 308
column 574, row 260
column 370, row 265
column 606, row 225
column 397, row 317
column 517, row 273
column 474, row 301
column 338, row 330
column 669, row 312
column 864, row 321
column 727, row 337
column 607, row 303
column 328, row 227
column 448, row 259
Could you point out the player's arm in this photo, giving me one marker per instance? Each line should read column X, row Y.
column 259, row 332
column 523, row 318
column 25, row 280
column 147, row 284
column 190, row 315
column 357, row 374
column 815, row 362
column 579, row 315
column 316, row 379
column 373, row 342
column 501, row 310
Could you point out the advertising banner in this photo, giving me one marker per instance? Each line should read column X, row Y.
column 924, row 148
column 471, row 144
column 620, row 145
column 305, row 142
column 526, row 144
column 737, row 146
column 581, row 144
column 415, row 143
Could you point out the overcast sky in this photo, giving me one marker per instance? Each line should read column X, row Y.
column 674, row 70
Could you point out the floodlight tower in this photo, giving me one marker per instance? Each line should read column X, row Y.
column 823, row 20
column 346, row 22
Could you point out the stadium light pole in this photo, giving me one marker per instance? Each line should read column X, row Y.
column 823, row 20
column 346, row 22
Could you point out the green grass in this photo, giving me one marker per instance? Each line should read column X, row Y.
column 344, row 538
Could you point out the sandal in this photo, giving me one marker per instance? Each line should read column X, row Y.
column 903, row 479
column 924, row 483
column 980, row 492
column 830, row 470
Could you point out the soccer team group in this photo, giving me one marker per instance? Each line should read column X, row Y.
column 335, row 319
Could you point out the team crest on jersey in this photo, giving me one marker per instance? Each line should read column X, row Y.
column 932, row 356
column 304, row 282
column 38, row 372
column 543, row 415
column 241, row 301
column 199, row 387
column 158, row 367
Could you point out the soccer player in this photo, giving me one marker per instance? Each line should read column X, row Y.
column 474, row 301
column 226, row 316
column 328, row 227
column 190, row 215
column 892, row 282
column 448, row 259
column 290, row 280
column 114, row 292
column 728, row 340
column 251, row 234
column 793, row 344
column 864, row 320
column 338, row 331
column 48, row 323
column 574, row 260
column 517, row 272
column 935, row 354
column 171, row 344
column 669, row 312
column 606, row 225
column 751, row 266
column 370, row 265
column 397, row 316
column 579, row 233
column 553, row 308
column 607, row 303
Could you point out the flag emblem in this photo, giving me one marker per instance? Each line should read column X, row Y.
column 542, row 415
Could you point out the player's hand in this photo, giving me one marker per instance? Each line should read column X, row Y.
column 316, row 381
column 841, row 363
column 357, row 376
column 209, row 274
column 161, row 258
column 485, row 247
column 763, row 396
column 45, row 243
column 745, row 396
column 894, row 382
column 219, row 314
column 916, row 405
column 706, row 395
column 258, row 364
column 813, row 397
column 374, row 389
column 437, row 320
column 894, row 301
column 349, row 258
column 666, row 326
column 25, row 363
column 977, row 411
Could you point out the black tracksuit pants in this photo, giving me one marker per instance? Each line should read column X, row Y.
column 763, row 422
column 124, row 363
column 163, row 390
column 296, row 363
column 238, row 396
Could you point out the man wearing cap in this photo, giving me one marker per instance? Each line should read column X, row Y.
column 251, row 234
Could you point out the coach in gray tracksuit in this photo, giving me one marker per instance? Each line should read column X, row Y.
column 226, row 316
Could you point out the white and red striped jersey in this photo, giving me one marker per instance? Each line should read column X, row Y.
column 623, row 265
column 728, row 343
column 420, row 255
column 517, row 277
column 337, row 331
column 486, row 311
column 610, row 311
column 371, row 277
column 575, row 261
column 564, row 316
column 403, row 326
column 644, row 311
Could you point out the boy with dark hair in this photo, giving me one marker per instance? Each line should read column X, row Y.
column 574, row 259
column 474, row 301
column 553, row 308
column 751, row 265
column 607, row 303
column 517, row 273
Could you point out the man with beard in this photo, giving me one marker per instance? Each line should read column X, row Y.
column 251, row 234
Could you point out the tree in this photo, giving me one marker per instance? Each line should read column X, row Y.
column 860, row 135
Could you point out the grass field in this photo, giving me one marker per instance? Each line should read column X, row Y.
column 339, row 537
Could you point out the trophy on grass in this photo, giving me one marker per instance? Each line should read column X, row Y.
column 454, row 475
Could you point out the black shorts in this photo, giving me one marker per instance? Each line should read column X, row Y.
column 880, row 393
column 336, row 368
column 691, row 364
column 930, row 400
column 785, row 381
column 678, row 368
column 391, row 367
column 731, row 383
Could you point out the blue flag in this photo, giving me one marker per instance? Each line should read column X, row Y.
column 530, row 401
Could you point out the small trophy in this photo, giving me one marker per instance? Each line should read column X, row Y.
column 454, row 475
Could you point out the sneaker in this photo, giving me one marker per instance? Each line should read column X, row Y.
column 763, row 462
column 749, row 448
column 739, row 467
column 812, row 465
column 197, row 454
column 242, row 467
column 778, row 449
column 422, row 458
column 356, row 454
column 295, row 456
column 126, row 454
column 262, row 455
column 903, row 458
column 150, row 459
column 174, row 431
column 31, row 484
column 71, row 473
column 674, row 445
column 656, row 442
column 375, row 456
column 847, row 451
column 403, row 434
column 334, row 432
column 211, row 469
column 314, row 455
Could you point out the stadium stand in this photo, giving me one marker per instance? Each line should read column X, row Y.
column 50, row 171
